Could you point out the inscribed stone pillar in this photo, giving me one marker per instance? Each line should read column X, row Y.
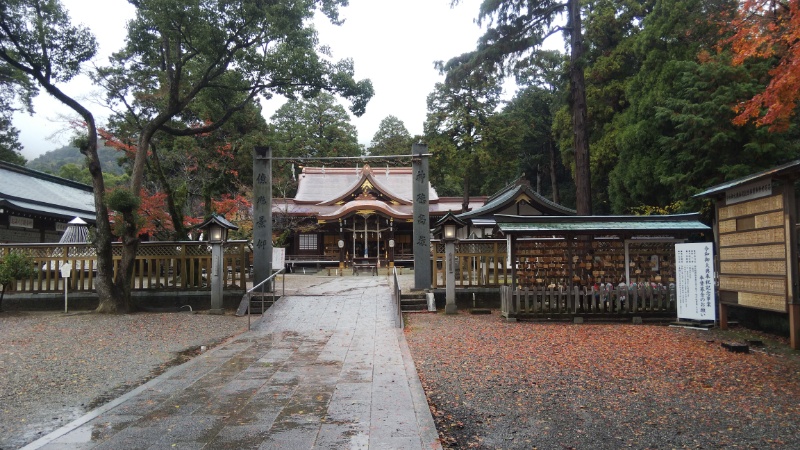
column 422, row 228
column 450, row 277
column 217, row 279
column 262, row 214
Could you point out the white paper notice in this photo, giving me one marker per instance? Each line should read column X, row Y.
column 695, row 281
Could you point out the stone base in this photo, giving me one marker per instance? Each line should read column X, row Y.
column 450, row 308
column 216, row 311
column 736, row 347
column 577, row 320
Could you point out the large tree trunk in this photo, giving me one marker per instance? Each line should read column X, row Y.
column 583, row 189
column 553, row 180
column 175, row 214
column 130, row 234
column 107, row 293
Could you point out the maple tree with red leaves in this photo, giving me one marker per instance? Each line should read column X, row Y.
column 766, row 29
column 157, row 217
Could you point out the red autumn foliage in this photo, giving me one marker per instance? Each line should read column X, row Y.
column 492, row 384
column 207, row 161
column 768, row 29
column 129, row 148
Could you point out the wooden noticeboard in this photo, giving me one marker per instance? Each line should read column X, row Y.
column 754, row 258
column 756, row 236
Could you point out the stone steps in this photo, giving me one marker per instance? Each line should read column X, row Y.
column 414, row 302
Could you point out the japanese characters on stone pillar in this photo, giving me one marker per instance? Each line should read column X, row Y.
column 422, row 227
column 262, row 214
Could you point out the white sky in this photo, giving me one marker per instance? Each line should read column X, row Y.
column 393, row 43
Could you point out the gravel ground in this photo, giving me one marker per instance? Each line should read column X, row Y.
column 498, row 385
column 54, row 367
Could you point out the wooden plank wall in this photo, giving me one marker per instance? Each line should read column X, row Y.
column 753, row 256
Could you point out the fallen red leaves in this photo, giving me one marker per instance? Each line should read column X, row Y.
column 492, row 384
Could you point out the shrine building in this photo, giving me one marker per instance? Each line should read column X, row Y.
column 361, row 214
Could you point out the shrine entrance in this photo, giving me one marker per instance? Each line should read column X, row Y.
column 346, row 215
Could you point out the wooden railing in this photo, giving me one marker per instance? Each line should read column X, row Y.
column 158, row 266
column 479, row 263
column 622, row 300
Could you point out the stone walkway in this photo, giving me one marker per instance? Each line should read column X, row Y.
column 325, row 368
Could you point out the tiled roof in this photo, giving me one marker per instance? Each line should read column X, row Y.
column 37, row 192
column 319, row 184
column 508, row 195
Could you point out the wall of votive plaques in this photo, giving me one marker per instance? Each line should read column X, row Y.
column 545, row 263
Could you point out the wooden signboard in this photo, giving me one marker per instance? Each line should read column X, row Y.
column 754, row 261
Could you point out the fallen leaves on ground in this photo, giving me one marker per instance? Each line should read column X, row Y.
column 493, row 384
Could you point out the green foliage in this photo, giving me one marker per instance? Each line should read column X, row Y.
column 512, row 45
column 458, row 114
column 14, row 266
column 39, row 33
column 519, row 142
column 392, row 138
column 10, row 147
column 203, row 59
column 317, row 126
column 677, row 138
column 123, row 200
column 73, row 172
column 52, row 161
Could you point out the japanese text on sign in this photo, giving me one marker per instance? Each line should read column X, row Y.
column 695, row 281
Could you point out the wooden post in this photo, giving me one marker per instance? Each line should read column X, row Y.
column 723, row 316
column 794, row 325
column 790, row 219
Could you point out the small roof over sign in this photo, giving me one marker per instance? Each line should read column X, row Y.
column 784, row 169
column 594, row 225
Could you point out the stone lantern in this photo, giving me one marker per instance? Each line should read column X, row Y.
column 216, row 230
column 448, row 226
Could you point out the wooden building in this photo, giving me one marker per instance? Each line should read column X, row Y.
column 518, row 198
column 36, row 207
column 756, row 239
column 355, row 214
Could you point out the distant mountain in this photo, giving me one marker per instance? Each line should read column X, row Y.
column 52, row 161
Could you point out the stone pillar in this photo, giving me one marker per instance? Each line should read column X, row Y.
column 422, row 227
column 340, row 243
column 450, row 277
column 391, row 239
column 262, row 214
column 216, row 279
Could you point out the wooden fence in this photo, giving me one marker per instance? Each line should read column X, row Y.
column 550, row 302
column 159, row 266
column 479, row 263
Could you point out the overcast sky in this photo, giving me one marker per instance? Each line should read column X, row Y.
column 393, row 43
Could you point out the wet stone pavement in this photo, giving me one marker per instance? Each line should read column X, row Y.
column 325, row 368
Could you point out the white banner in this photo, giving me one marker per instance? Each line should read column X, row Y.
column 694, row 275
